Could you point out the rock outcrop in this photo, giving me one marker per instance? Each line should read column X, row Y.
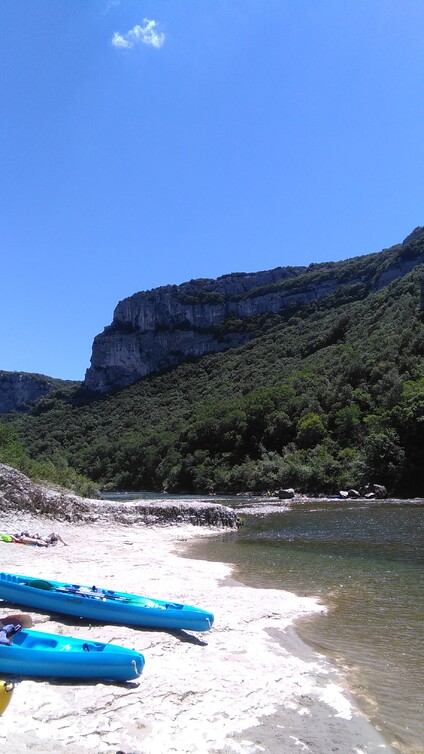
column 159, row 329
column 19, row 388
column 18, row 493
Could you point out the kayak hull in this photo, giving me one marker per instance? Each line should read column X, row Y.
column 103, row 605
column 38, row 654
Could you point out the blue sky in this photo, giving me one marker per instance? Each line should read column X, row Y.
column 146, row 143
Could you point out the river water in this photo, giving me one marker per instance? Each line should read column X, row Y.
column 365, row 561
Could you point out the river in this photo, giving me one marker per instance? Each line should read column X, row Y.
column 365, row 562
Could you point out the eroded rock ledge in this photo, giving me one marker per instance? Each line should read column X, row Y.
column 18, row 493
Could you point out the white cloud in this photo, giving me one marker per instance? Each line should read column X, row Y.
column 145, row 33
column 119, row 41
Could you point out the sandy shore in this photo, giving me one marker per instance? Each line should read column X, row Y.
column 247, row 686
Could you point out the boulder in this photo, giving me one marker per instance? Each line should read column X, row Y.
column 380, row 491
column 287, row 494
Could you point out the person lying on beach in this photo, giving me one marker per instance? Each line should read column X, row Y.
column 24, row 538
column 51, row 539
column 11, row 625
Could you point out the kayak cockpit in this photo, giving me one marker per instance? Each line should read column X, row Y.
column 35, row 641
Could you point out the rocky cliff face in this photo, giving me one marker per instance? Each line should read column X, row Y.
column 158, row 329
column 19, row 388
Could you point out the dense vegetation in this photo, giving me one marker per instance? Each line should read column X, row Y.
column 51, row 469
column 325, row 397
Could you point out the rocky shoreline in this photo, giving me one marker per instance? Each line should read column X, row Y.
column 18, row 493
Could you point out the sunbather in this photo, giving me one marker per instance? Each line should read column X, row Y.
column 28, row 539
column 36, row 539
column 24, row 538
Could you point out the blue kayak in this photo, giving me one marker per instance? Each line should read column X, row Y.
column 36, row 654
column 103, row 605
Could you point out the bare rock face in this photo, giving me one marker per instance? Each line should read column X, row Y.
column 155, row 330
column 19, row 388
column 18, row 493
column 159, row 329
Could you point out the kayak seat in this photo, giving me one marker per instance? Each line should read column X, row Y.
column 40, row 643
column 40, row 584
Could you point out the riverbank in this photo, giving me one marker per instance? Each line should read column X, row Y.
column 247, row 686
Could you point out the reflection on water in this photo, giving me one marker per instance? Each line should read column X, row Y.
column 366, row 562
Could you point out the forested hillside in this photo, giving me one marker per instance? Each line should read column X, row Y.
column 326, row 396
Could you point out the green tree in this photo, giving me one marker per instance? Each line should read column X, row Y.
column 347, row 422
column 384, row 457
column 12, row 451
column 310, row 430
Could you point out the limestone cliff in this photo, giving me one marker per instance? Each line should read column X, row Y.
column 20, row 388
column 158, row 329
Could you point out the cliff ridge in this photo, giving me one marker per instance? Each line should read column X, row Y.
column 158, row 329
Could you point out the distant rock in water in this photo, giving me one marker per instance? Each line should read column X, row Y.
column 156, row 330
column 18, row 493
